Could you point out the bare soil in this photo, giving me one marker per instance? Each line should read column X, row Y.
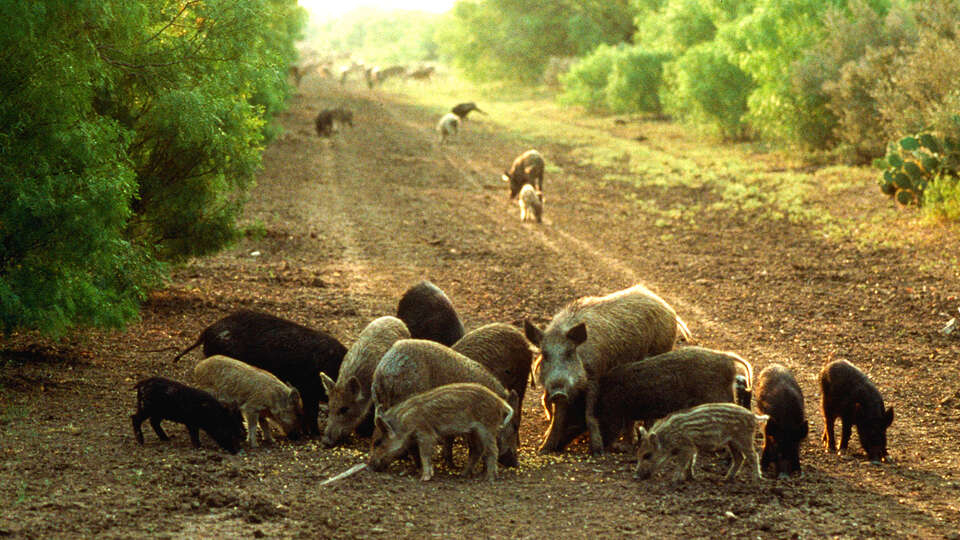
column 347, row 224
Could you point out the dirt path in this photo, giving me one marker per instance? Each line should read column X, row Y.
column 341, row 227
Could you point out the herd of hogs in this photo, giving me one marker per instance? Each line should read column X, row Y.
column 608, row 367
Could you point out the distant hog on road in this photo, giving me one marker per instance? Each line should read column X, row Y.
column 423, row 420
column 412, row 366
column 779, row 397
column 526, row 169
column 531, row 204
column 504, row 351
column 847, row 393
column 589, row 337
column 429, row 314
column 350, row 404
column 257, row 393
column 163, row 399
column 650, row 389
column 711, row 426
column 294, row 353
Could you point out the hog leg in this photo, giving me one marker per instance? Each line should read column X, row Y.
column 828, row 437
column 754, row 462
column 426, row 444
column 473, row 439
column 846, row 429
column 137, row 421
column 489, row 448
column 687, row 458
column 265, row 428
column 593, row 425
column 555, row 431
column 194, row 435
column 737, row 456
column 252, row 419
column 155, row 422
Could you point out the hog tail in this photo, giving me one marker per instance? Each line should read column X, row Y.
column 188, row 349
column 685, row 334
column 506, row 421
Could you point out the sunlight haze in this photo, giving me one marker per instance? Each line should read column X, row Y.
column 327, row 9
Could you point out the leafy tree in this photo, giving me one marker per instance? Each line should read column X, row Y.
column 129, row 132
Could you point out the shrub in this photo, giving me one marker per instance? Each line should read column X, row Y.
column 584, row 84
column 704, row 86
column 914, row 163
column 634, row 81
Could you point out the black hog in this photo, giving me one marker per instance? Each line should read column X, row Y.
column 779, row 397
column 429, row 314
column 160, row 399
column 526, row 169
column 504, row 351
column 294, row 353
column 847, row 393
column 585, row 340
column 463, row 109
column 412, row 366
column 650, row 389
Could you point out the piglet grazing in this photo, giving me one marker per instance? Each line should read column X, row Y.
column 710, row 426
column 531, row 204
column 258, row 393
column 160, row 399
column 423, row 420
column 847, row 393
column 779, row 397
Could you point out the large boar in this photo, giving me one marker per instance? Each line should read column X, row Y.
column 429, row 314
column 412, row 366
column 650, row 389
column 258, row 394
column 589, row 337
column 164, row 399
column 779, row 397
column 526, row 169
column 847, row 393
column 711, row 426
column 350, row 403
column 294, row 353
column 423, row 420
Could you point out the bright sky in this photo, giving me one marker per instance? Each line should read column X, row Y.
column 323, row 9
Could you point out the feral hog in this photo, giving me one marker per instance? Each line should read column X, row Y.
column 847, row 393
column 650, row 389
column 163, row 399
column 423, row 420
column 429, row 314
column 447, row 127
column 585, row 340
column 350, row 405
column 257, row 393
column 531, row 204
column 709, row 427
column 294, row 353
column 504, row 351
column 412, row 366
column 329, row 121
column 779, row 397
column 526, row 169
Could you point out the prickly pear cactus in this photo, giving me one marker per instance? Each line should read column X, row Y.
column 913, row 162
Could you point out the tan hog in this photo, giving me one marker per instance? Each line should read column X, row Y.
column 710, row 426
column 425, row 419
column 259, row 395
column 351, row 404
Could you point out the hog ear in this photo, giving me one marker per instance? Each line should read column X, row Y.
column 354, row 388
column 655, row 440
column 294, row 396
column 379, row 423
column 888, row 417
column 534, row 334
column 328, row 383
column 641, row 433
column 578, row 334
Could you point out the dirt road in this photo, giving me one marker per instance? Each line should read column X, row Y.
column 341, row 227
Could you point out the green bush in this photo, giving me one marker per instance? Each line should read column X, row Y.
column 704, row 86
column 634, row 81
column 129, row 133
column 914, row 163
column 587, row 79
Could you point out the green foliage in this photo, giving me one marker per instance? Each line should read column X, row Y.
column 617, row 79
column 513, row 40
column 915, row 162
column 704, row 86
column 129, row 132
column 378, row 36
